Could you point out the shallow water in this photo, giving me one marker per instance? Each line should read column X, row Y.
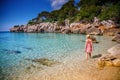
column 16, row 47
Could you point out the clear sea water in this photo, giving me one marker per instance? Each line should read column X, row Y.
column 16, row 47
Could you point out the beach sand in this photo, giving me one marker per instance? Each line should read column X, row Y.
column 72, row 68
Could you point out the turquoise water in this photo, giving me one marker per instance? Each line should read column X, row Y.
column 16, row 47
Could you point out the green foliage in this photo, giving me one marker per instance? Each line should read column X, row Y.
column 86, row 13
column 110, row 12
column 68, row 10
column 87, row 3
column 31, row 22
column 103, row 9
column 44, row 14
column 54, row 15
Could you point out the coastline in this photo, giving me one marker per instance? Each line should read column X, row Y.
column 105, row 27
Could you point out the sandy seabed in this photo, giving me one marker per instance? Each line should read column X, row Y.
column 72, row 68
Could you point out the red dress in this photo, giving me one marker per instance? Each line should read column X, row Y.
column 88, row 46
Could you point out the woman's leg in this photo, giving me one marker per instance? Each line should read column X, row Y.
column 87, row 54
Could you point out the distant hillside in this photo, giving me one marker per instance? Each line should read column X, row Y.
column 84, row 10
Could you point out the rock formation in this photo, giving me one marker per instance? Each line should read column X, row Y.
column 98, row 28
column 116, row 38
column 112, row 59
column 115, row 51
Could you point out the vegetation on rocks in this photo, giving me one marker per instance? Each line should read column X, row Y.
column 83, row 10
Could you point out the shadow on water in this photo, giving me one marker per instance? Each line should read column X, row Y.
column 12, row 51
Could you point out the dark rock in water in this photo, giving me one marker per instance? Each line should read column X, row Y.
column 17, row 51
column 12, row 51
column 94, row 39
column 32, row 67
column 44, row 61
column 28, row 48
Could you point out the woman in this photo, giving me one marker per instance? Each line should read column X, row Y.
column 88, row 46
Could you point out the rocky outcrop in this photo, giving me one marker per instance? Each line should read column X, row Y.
column 94, row 30
column 112, row 59
column 32, row 28
column 111, row 31
column 15, row 29
column 116, row 38
column 107, row 27
column 108, row 23
column 115, row 51
column 108, row 60
column 66, row 30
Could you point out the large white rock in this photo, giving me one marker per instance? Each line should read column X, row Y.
column 115, row 51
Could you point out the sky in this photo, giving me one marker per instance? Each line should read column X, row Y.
column 19, row 12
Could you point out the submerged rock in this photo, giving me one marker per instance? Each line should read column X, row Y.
column 94, row 40
column 44, row 61
column 12, row 51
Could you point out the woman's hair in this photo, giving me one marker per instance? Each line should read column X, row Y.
column 88, row 36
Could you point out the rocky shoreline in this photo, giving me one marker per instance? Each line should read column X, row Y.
column 107, row 27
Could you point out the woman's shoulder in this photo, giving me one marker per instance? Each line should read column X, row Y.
column 87, row 40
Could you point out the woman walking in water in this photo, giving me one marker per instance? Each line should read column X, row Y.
column 88, row 46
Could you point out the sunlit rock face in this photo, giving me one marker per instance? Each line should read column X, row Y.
column 107, row 27
column 115, row 51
